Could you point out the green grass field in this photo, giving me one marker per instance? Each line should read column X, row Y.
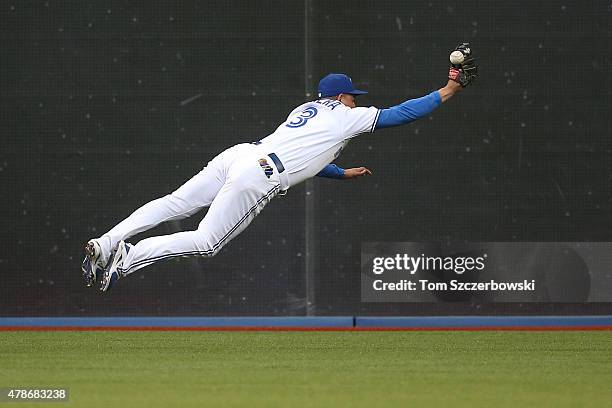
column 357, row 369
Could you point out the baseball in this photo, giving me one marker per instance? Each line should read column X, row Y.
column 456, row 57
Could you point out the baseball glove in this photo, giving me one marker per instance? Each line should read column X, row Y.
column 466, row 72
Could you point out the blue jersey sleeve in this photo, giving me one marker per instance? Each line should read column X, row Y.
column 331, row 171
column 408, row 111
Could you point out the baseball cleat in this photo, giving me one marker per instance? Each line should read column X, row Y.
column 113, row 272
column 93, row 263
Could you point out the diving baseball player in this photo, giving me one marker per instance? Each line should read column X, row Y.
column 238, row 183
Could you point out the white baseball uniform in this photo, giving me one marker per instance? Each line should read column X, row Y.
column 239, row 182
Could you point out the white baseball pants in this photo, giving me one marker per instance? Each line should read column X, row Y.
column 235, row 187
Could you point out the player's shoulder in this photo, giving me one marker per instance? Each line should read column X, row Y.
column 360, row 112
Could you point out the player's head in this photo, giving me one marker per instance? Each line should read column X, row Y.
column 339, row 87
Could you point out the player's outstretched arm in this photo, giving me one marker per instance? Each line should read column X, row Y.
column 408, row 111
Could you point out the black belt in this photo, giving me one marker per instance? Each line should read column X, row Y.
column 277, row 162
column 275, row 159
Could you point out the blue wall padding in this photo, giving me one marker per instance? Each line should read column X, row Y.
column 483, row 321
column 313, row 322
column 298, row 321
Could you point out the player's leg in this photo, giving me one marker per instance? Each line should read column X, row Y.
column 242, row 197
column 230, row 213
column 192, row 196
column 195, row 194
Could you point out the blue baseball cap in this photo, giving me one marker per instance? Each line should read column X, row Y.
column 336, row 84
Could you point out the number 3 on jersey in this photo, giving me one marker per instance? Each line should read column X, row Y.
column 301, row 120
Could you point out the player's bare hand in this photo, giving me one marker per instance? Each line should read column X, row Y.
column 356, row 172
